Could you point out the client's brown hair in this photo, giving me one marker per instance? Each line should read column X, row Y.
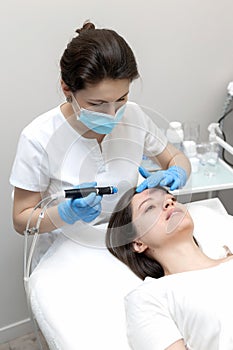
column 120, row 236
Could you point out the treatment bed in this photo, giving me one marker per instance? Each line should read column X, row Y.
column 77, row 292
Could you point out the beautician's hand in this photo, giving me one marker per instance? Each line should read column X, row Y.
column 174, row 177
column 85, row 209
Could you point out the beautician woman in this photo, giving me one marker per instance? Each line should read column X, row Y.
column 95, row 137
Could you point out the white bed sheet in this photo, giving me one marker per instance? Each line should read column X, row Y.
column 213, row 227
column 77, row 292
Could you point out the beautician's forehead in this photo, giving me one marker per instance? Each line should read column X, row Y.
column 108, row 90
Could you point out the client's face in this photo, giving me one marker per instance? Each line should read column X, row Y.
column 157, row 217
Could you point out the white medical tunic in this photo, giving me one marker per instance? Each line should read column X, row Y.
column 52, row 156
column 196, row 306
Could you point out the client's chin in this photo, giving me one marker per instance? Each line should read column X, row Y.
column 179, row 221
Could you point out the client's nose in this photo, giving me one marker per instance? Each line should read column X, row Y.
column 168, row 202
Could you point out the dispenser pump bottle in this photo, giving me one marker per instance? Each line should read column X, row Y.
column 175, row 134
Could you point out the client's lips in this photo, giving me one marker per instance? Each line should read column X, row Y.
column 173, row 211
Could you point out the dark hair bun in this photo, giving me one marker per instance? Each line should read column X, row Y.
column 86, row 26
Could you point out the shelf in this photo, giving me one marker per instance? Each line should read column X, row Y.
column 199, row 182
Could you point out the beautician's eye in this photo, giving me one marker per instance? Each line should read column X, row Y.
column 95, row 104
column 122, row 99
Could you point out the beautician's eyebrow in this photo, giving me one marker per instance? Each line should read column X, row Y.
column 103, row 101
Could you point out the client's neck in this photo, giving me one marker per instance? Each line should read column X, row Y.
column 186, row 257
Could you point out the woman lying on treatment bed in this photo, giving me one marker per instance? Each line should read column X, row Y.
column 185, row 301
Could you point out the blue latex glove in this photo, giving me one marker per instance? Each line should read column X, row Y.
column 85, row 209
column 174, row 177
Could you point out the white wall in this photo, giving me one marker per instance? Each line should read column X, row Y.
column 185, row 55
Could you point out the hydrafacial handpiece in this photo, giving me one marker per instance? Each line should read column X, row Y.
column 85, row 191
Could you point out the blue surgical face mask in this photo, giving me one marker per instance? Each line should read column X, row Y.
column 101, row 123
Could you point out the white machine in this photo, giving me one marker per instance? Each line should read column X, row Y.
column 214, row 130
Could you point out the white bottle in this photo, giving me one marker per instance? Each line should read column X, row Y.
column 175, row 134
column 190, row 150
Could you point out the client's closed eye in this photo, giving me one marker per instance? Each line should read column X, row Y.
column 150, row 207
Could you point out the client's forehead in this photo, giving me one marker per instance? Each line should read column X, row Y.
column 155, row 192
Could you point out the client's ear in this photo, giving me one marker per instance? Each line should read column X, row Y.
column 139, row 246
